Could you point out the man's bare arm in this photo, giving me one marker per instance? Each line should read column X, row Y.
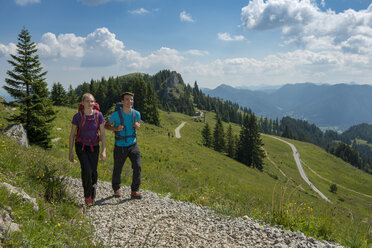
column 109, row 126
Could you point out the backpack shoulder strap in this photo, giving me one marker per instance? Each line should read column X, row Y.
column 133, row 116
column 121, row 116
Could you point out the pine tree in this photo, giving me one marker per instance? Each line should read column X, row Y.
column 218, row 136
column 207, row 136
column 244, row 148
column 27, row 85
column 230, row 142
column 72, row 98
column 249, row 150
column 257, row 152
column 151, row 110
column 58, row 95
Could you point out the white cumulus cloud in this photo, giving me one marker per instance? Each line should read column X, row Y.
column 197, row 52
column 162, row 58
column 25, row 2
column 7, row 50
column 102, row 49
column 186, row 17
column 64, row 46
column 228, row 37
column 304, row 24
column 99, row 48
column 140, row 11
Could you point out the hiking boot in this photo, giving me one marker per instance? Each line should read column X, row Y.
column 135, row 195
column 117, row 193
column 89, row 201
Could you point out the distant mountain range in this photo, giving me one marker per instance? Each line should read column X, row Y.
column 328, row 106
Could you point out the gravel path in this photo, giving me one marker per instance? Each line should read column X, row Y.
column 177, row 130
column 296, row 157
column 163, row 222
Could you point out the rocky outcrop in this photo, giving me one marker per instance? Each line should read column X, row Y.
column 173, row 86
column 18, row 132
column 6, row 223
column 19, row 191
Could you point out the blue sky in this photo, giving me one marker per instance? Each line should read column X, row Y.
column 213, row 42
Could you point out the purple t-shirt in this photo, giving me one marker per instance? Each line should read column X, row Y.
column 89, row 130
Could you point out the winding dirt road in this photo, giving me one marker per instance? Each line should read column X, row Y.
column 296, row 157
column 177, row 130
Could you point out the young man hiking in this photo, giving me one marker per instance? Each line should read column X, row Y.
column 124, row 122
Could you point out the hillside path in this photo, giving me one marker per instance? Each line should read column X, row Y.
column 296, row 157
column 158, row 221
column 338, row 185
column 177, row 130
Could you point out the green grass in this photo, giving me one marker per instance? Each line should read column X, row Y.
column 191, row 172
column 59, row 222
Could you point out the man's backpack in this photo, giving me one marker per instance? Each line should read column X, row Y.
column 82, row 122
column 119, row 109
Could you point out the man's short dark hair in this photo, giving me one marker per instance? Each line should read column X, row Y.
column 126, row 93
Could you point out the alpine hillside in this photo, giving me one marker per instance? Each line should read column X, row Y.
column 334, row 107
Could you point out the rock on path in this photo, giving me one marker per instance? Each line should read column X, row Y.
column 163, row 222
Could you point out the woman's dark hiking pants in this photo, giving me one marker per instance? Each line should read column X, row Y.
column 88, row 163
column 120, row 155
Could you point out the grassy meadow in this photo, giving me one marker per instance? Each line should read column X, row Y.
column 188, row 171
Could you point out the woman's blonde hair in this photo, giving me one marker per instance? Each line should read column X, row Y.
column 87, row 95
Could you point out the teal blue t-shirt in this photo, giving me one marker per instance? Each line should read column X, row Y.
column 128, row 130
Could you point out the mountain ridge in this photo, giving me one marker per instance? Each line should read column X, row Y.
column 339, row 105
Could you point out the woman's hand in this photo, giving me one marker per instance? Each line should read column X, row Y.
column 103, row 155
column 71, row 157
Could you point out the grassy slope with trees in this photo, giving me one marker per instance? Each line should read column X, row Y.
column 180, row 167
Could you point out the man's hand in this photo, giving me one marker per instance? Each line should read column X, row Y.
column 119, row 128
column 137, row 125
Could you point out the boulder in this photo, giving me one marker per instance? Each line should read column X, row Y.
column 18, row 132
column 6, row 224
column 22, row 193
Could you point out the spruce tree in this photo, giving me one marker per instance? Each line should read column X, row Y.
column 207, row 136
column 244, row 148
column 257, row 152
column 26, row 83
column 218, row 136
column 249, row 150
column 72, row 98
column 151, row 110
column 230, row 142
column 58, row 95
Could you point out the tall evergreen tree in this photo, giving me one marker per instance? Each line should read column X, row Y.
column 26, row 83
column 151, row 110
column 219, row 136
column 58, row 95
column 206, row 135
column 244, row 148
column 72, row 98
column 230, row 148
column 257, row 152
column 249, row 150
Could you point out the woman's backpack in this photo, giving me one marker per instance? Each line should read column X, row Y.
column 82, row 122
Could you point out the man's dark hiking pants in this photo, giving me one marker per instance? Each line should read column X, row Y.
column 120, row 155
column 88, row 162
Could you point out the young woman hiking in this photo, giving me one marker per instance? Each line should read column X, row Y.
column 84, row 132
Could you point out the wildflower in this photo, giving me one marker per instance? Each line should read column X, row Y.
column 3, row 141
column 59, row 224
column 0, row 179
